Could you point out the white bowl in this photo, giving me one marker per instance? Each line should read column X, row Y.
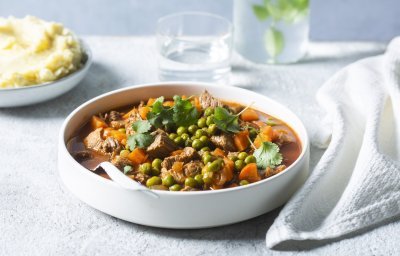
column 23, row 96
column 196, row 209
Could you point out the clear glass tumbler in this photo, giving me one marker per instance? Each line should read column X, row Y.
column 194, row 46
column 271, row 31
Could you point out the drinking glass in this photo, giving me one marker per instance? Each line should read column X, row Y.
column 271, row 31
column 194, row 46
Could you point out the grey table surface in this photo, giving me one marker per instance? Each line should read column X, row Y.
column 39, row 216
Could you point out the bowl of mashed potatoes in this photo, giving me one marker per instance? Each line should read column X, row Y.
column 39, row 60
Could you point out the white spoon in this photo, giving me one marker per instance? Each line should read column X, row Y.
column 121, row 179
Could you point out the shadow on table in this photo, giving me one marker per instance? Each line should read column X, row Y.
column 255, row 229
column 99, row 80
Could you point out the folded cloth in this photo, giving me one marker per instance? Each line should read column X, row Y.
column 356, row 184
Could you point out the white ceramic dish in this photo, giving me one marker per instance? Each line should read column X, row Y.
column 24, row 96
column 196, row 209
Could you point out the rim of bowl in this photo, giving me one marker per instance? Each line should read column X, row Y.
column 304, row 141
column 86, row 65
column 194, row 13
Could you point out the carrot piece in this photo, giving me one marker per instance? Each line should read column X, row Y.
column 118, row 135
column 241, row 140
column 249, row 173
column 107, row 132
column 227, row 171
column 196, row 103
column 143, row 112
column 184, row 97
column 151, row 101
column 96, row 122
column 168, row 103
column 126, row 115
column 138, row 156
column 249, row 115
column 219, row 152
column 266, row 134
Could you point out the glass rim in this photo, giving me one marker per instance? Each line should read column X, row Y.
column 194, row 13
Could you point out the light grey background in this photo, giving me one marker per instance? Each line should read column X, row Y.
column 330, row 19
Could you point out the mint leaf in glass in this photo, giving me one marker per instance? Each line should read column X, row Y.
column 274, row 42
column 261, row 12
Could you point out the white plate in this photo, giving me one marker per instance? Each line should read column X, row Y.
column 195, row 209
column 23, row 96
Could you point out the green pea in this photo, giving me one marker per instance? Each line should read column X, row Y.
column 242, row 155
column 189, row 181
column 155, row 180
column 122, row 130
column 199, row 133
column 204, row 139
column 185, row 136
column 209, row 111
column 175, row 187
column 178, row 140
column 155, row 172
column 181, row 130
column 199, row 179
column 214, row 166
column 205, row 149
column 244, row 183
column 210, row 120
column 193, row 137
column 201, row 122
column 250, row 159
column 253, row 133
column 192, row 129
column 233, row 158
column 212, row 129
column 124, row 153
column 156, row 164
column 208, row 177
column 172, row 136
column 197, row 144
column 239, row 164
column 168, row 181
column 145, row 168
column 207, row 158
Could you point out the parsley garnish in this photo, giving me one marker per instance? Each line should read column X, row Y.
column 225, row 121
column 268, row 155
column 141, row 138
column 183, row 113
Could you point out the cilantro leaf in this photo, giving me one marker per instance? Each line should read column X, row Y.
column 225, row 121
column 127, row 169
column 160, row 116
column 141, row 126
column 139, row 140
column 185, row 114
column 268, row 155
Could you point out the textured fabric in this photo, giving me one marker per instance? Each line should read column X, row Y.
column 356, row 184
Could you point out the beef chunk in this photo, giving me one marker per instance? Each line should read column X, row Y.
column 120, row 162
column 224, row 141
column 94, row 140
column 186, row 156
column 134, row 116
column 191, row 169
column 207, row 100
column 111, row 146
column 162, row 146
column 113, row 116
column 176, row 172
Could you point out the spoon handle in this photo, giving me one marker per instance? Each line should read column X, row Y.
column 121, row 179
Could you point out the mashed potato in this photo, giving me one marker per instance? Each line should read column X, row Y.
column 33, row 51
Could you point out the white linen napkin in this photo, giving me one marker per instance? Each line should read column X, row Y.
column 356, row 184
